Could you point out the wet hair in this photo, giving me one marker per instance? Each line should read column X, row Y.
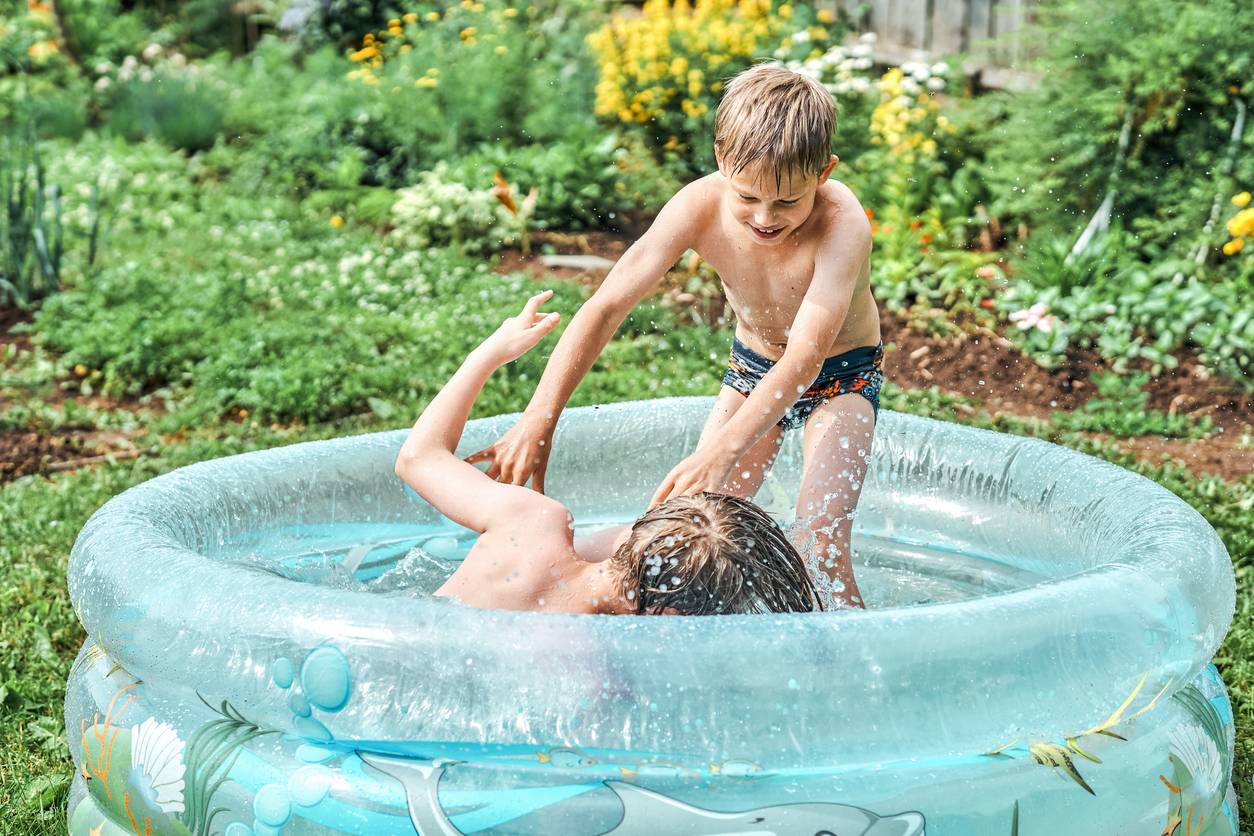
column 777, row 117
column 709, row 554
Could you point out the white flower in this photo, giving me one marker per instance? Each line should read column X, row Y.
column 934, row 84
column 145, row 74
column 151, row 51
column 940, row 68
column 868, row 37
column 801, row 36
column 129, row 62
column 103, row 67
column 157, row 765
column 102, row 83
column 1196, row 752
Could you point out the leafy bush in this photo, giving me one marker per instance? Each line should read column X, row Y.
column 1124, row 309
column 162, row 96
column 587, row 180
column 1168, row 76
column 436, row 211
column 662, row 71
column 443, row 82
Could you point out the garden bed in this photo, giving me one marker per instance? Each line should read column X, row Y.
column 992, row 375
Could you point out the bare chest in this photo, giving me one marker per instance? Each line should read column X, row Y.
column 764, row 290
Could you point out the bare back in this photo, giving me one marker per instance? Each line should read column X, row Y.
column 765, row 286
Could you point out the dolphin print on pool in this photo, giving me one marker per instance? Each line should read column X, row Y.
column 647, row 813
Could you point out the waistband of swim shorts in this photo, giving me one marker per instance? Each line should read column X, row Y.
column 854, row 361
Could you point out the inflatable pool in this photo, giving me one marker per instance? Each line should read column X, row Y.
column 263, row 656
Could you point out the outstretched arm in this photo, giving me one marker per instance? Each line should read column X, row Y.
column 427, row 462
column 523, row 452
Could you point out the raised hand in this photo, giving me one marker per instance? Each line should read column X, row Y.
column 518, row 334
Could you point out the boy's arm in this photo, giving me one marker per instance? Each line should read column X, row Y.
column 426, row 461
column 838, row 264
column 523, row 452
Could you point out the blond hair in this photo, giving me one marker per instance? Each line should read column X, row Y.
column 711, row 553
column 775, row 116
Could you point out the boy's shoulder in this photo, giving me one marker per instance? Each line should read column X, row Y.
column 839, row 214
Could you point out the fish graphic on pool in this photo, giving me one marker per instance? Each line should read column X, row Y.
column 648, row 813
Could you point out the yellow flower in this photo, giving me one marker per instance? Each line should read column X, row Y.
column 336, row 221
column 432, row 16
column 501, row 50
column 1242, row 223
column 1234, row 246
column 468, row 34
column 1241, row 200
column 511, row 12
column 368, row 39
column 364, row 53
column 410, row 17
column 433, row 72
column 784, row 11
column 394, row 23
column 825, row 16
column 42, row 50
column 406, row 47
column 426, row 81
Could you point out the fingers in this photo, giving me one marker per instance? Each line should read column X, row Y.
column 534, row 303
column 537, row 478
column 547, row 322
column 486, row 454
column 663, row 493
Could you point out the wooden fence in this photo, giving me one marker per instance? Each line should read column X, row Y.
column 987, row 31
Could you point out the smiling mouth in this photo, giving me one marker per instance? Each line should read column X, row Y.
column 772, row 232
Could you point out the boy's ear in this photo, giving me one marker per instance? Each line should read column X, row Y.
column 718, row 159
column 827, row 172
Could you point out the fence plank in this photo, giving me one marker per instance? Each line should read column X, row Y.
column 949, row 27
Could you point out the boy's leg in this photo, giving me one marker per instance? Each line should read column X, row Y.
column 837, row 446
column 757, row 462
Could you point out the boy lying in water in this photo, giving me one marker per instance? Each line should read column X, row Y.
column 691, row 555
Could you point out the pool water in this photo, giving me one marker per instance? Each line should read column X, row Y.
column 404, row 560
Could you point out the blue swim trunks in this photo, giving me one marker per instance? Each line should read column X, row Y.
column 857, row 370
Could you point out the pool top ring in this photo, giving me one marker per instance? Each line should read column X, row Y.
column 1089, row 582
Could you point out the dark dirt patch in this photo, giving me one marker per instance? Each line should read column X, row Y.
column 985, row 365
column 23, row 452
column 35, row 450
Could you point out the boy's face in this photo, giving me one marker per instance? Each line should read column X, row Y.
column 769, row 211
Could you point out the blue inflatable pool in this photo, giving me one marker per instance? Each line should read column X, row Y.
column 264, row 656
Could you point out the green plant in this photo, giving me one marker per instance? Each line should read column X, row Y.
column 436, row 211
column 32, row 235
column 164, row 97
column 1133, row 119
column 1121, row 409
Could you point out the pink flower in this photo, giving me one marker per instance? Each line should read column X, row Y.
column 1037, row 317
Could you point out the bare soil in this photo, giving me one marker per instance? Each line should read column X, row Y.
column 26, row 451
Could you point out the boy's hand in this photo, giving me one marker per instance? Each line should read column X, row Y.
column 521, row 454
column 704, row 470
column 518, row 334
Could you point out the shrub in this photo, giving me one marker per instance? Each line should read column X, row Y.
column 662, row 71
column 162, row 96
column 436, row 211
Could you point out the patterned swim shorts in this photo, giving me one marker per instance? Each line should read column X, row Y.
column 857, row 370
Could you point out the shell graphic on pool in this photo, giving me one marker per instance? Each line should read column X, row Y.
column 647, row 813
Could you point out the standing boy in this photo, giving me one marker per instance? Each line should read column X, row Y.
column 792, row 250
